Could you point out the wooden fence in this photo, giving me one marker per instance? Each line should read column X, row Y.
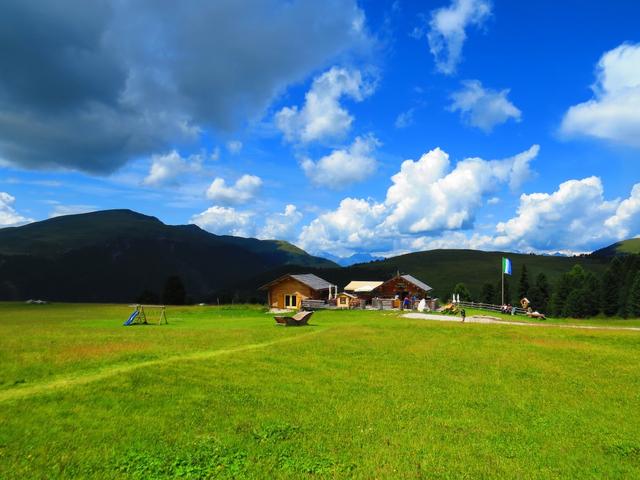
column 489, row 306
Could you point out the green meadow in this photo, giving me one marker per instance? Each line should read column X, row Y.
column 221, row 392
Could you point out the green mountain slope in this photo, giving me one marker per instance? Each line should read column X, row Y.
column 443, row 269
column 625, row 247
column 115, row 255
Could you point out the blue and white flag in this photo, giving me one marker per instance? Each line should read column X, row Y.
column 506, row 266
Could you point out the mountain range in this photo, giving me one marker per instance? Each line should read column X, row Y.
column 119, row 255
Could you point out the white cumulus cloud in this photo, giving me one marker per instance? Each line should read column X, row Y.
column 281, row 226
column 344, row 166
column 351, row 227
column 447, row 30
column 322, row 116
column 427, row 197
column 483, row 108
column 8, row 215
column 226, row 221
column 244, row 190
column 613, row 113
column 575, row 218
column 168, row 168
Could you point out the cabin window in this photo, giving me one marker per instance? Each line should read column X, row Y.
column 343, row 301
column 290, row 301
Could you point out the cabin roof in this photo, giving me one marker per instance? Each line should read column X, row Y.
column 363, row 285
column 346, row 295
column 309, row 279
column 416, row 282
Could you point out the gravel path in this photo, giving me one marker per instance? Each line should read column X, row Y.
column 488, row 319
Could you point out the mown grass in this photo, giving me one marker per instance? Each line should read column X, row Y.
column 223, row 393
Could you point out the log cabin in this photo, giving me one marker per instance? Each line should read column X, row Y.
column 290, row 290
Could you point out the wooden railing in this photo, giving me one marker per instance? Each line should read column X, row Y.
column 489, row 306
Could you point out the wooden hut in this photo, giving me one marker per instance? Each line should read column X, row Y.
column 402, row 286
column 289, row 290
column 347, row 300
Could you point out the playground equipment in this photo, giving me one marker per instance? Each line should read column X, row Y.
column 147, row 314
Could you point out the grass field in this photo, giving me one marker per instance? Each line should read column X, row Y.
column 224, row 393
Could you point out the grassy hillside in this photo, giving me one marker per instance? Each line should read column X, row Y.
column 223, row 393
column 625, row 247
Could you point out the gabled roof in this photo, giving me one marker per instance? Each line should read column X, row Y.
column 417, row 282
column 346, row 294
column 363, row 285
column 309, row 279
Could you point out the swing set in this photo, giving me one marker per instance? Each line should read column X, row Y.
column 147, row 315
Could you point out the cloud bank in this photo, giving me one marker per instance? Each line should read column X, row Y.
column 90, row 85
column 427, row 196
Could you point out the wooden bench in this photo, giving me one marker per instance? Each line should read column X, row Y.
column 299, row 319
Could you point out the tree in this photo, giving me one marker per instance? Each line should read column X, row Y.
column 630, row 267
column 634, row 297
column 591, row 289
column 462, row 290
column 611, row 288
column 174, row 292
column 488, row 294
column 561, row 293
column 540, row 293
column 523, row 286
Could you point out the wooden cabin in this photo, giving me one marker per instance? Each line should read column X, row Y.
column 401, row 286
column 289, row 290
column 347, row 300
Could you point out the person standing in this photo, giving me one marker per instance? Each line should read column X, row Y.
column 463, row 314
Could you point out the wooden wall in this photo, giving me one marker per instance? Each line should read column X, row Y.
column 398, row 285
column 290, row 286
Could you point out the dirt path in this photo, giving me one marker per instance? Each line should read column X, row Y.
column 66, row 381
column 488, row 319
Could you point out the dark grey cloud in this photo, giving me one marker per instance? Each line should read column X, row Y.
column 89, row 85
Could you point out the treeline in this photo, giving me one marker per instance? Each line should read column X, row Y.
column 578, row 293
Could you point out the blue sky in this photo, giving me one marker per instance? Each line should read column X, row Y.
column 344, row 127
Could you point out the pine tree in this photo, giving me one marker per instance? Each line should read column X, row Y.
column 488, row 294
column 611, row 288
column 591, row 295
column 559, row 297
column 634, row 297
column 630, row 267
column 174, row 292
column 542, row 284
column 523, row 286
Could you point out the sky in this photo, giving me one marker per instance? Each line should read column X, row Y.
column 344, row 127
